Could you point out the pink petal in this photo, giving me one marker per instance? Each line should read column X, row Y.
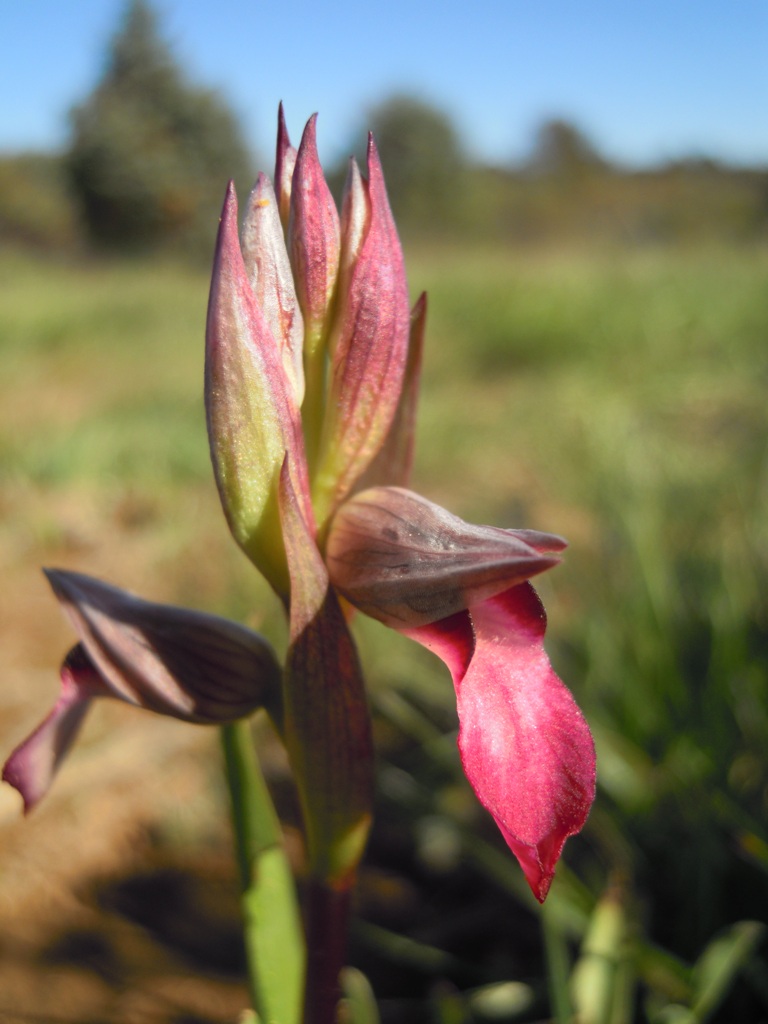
column 407, row 562
column 525, row 746
column 313, row 240
column 284, row 165
column 392, row 465
column 369, row 353
column 269, row 271
column 176, row 661
column 32, row 766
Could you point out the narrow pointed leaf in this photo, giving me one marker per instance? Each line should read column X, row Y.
column 405, row 561
column 524, row 744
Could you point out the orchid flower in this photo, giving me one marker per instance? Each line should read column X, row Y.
column 311, row 380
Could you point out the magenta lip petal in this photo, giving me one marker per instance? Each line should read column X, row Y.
column 525, row 746
column 32, row 766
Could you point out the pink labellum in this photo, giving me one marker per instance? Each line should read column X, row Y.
column 525, row 746
column 269, row 271
column 407, row 562
column 370, row 351
column 313, row 239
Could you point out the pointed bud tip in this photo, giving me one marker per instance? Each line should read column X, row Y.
column 309, row 137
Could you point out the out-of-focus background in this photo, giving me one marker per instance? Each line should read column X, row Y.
column 583, row 192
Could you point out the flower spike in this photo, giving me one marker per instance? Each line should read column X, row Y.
column 311, row 384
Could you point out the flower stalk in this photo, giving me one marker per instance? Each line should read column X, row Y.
column 272, row 929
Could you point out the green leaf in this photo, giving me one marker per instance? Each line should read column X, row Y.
column 274, row 938
column 358, row 1005
column 716, row 969
column 598, row 982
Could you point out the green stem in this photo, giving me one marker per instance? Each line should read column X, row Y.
column 273, row 936
column 558, row 967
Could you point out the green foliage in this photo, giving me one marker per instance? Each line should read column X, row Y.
column 35, row 207
column 150, row 153
column 620, row 401
column 563, row 151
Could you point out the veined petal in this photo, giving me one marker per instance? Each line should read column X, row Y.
column 253, row 418
column 326, row 721
column 284, row 165
column 525, row 746
column 176, row 661
column 269, row 271
column 407, row 562
column 186, row 664
column 313, row 240
column 355, row 218
column 392, row 465
column 369, row 353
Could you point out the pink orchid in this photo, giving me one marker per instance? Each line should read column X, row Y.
column 311, row 380
column 460, row 590
column 186, row 664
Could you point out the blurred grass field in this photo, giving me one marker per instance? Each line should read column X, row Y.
column 617, row 398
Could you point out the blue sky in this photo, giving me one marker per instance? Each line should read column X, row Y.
column 646, row 80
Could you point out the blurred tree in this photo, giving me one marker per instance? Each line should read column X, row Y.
column 423, row 161
column 562, row 150
column 150, row 153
